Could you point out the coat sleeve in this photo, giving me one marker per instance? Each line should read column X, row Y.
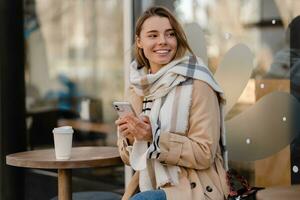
column 198, row 147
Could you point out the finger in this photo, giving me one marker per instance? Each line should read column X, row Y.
column 128, row 115
column 125, row 133
column 132, row 128
column 120, row 121
column 123, row 127
column 145, row 119
column 133, row 120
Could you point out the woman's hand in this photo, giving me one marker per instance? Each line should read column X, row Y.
column 132, row 126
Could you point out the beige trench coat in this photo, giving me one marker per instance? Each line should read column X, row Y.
column 197, row 153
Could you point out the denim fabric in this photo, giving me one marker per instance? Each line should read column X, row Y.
column 150, row 195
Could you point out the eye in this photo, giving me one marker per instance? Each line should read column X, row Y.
column 171, row 34
column 152, row 35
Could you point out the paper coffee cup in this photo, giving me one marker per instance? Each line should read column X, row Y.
column 63, row 142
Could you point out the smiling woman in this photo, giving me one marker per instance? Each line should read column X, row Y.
column 158, row 41
column 158, row 32
column 174, row 142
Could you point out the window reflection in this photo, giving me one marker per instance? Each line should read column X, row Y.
column 76, row 53
column 261, row 25
column 74, row 70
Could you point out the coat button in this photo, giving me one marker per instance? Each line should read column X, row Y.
column 193, row 185
column 209, row 189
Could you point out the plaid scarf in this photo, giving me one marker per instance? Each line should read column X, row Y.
column 167, row 100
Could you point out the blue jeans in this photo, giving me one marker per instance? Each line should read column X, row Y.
column 150, row 195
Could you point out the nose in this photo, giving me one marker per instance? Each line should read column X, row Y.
column 162, row 39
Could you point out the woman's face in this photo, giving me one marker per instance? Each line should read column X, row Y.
column 158, row 41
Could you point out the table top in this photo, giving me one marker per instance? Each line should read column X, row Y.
column 81, row 157
column 87, row 125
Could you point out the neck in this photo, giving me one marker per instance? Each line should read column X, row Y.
column 154, row 69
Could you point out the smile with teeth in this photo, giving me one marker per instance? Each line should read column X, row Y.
column 162, row 51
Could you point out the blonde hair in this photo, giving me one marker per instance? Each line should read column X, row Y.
column 182, row 44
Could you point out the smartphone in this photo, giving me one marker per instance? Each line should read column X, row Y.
column 123, row 108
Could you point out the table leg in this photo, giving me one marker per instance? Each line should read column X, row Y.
column 64, row 184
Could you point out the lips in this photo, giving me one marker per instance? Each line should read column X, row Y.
column 162, row 51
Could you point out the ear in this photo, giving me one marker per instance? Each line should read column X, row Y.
column 138, row 42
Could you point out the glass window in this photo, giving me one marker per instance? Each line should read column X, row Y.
column 74, row 71
column 74, row 57
column 253, row 49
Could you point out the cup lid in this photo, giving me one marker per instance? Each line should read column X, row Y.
column 63, row 129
